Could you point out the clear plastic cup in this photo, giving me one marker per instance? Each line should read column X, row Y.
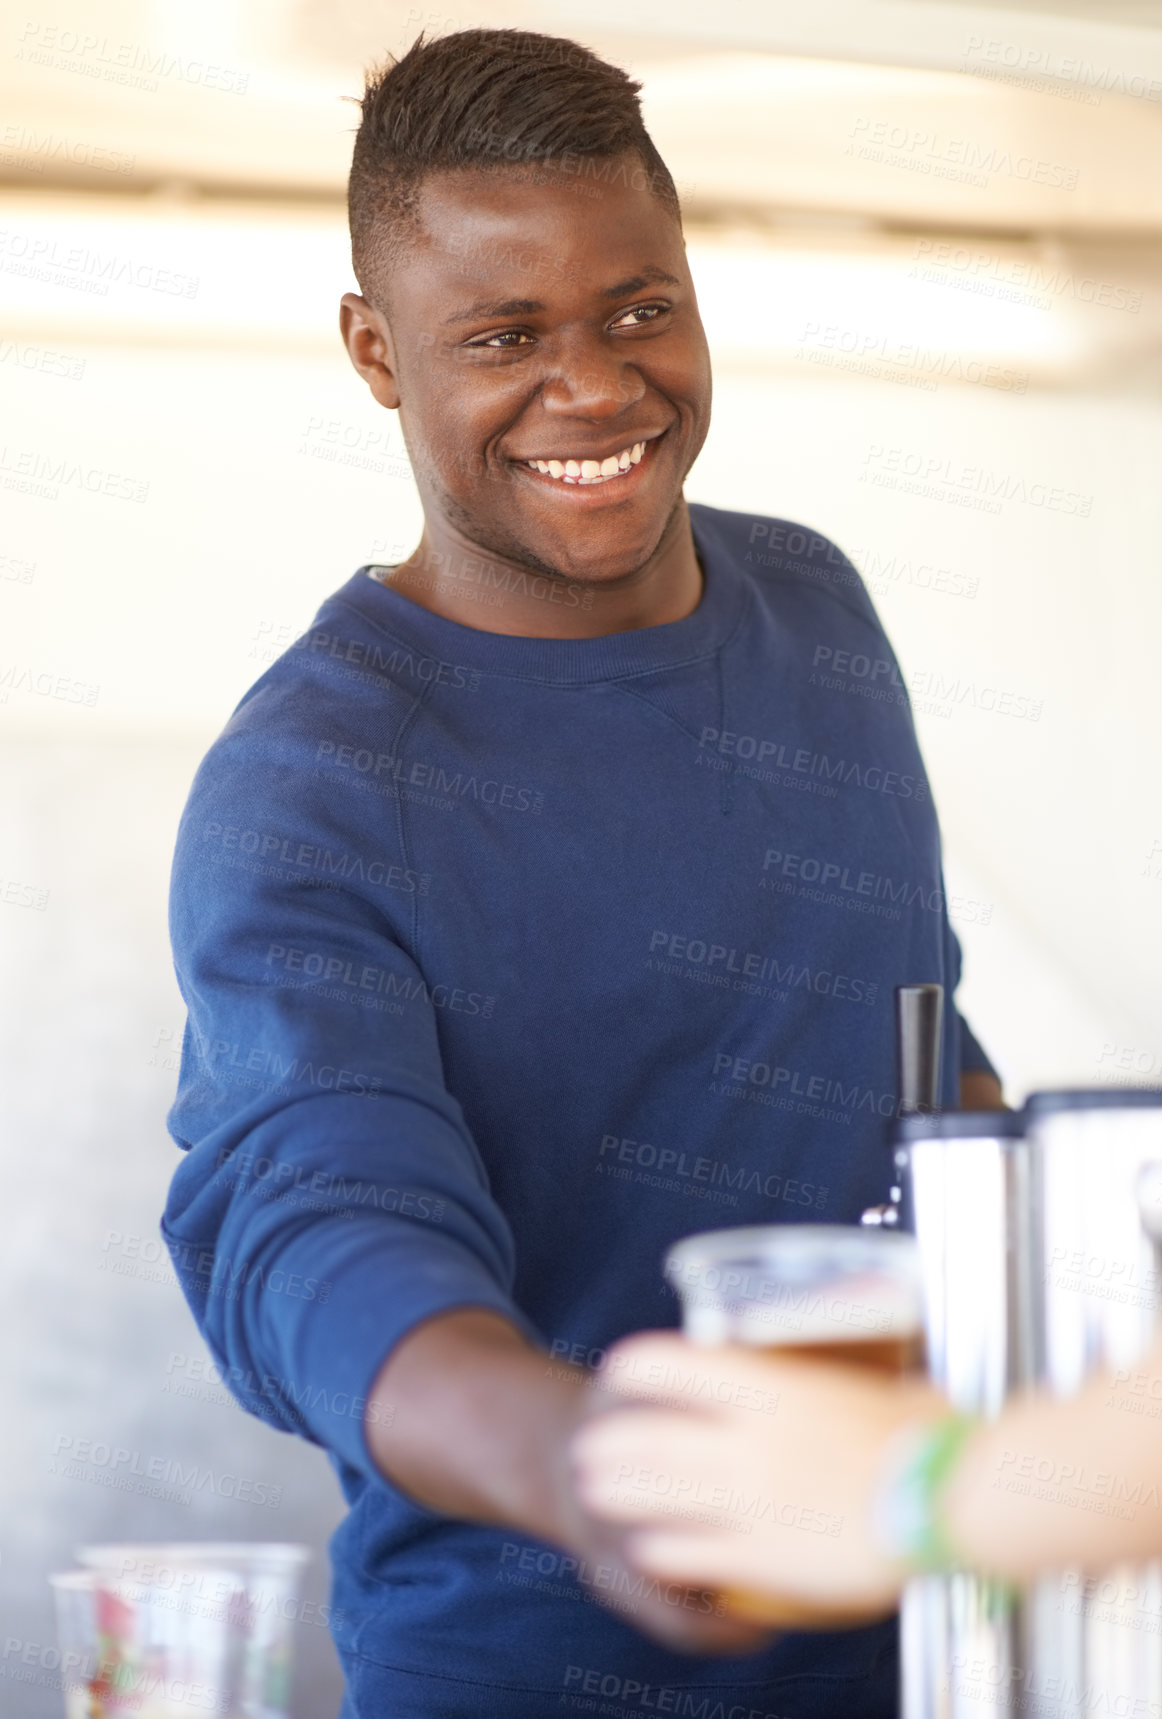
column 817, row 1291
column 169, row 1631
column 81, row 1657
column 850, row 1294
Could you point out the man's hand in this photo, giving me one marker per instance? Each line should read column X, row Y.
column 468, row 1419
column 980, row 1090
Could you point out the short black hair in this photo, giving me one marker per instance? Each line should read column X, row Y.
column 488, row 100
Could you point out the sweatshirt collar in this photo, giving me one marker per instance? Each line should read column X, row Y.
column 640, row 650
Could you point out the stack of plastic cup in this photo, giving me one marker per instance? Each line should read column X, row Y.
column 170, row 1631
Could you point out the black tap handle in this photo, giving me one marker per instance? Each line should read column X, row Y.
column 919, row 1019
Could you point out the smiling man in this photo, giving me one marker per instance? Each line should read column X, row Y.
column 541, row 905
column 553, row 397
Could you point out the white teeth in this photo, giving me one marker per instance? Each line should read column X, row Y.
column 591, row 471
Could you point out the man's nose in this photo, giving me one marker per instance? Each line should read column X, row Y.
column 589, row 381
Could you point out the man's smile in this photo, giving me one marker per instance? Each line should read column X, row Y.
column 581, row 471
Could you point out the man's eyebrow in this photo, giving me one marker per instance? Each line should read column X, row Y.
column 638, row 282
column 496, row 307
column 530, row 306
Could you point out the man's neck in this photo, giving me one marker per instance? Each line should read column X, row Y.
column 454, row 577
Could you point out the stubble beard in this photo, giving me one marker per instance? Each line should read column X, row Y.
column 495, row 540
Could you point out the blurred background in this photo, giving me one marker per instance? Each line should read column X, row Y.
column 927, row 241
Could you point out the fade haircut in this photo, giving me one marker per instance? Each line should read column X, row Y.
column 490, row 100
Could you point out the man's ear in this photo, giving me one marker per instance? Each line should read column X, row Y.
column 369, row 347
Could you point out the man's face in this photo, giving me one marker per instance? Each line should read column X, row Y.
column 531, row 322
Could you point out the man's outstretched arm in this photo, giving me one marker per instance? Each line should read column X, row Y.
column 471, row 1420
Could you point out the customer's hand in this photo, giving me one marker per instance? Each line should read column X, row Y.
column 750, row 1473
column 686, row 1617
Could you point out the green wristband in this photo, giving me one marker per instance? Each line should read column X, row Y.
column 906, row 1510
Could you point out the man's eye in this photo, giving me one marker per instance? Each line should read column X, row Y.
column 508, row 335
column 647, row 312
column 509, row 339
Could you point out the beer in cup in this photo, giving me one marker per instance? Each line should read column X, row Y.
column 836, row 1294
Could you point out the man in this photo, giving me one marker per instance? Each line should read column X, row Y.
column 538, row 907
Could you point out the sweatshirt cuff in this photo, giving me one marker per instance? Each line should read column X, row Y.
column 335, row 1353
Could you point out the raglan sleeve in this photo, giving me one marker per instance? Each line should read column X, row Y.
column 331, row 1196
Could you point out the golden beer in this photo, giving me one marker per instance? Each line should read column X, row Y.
column 819, row 1292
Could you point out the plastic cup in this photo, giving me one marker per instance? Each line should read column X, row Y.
column 851, row 1294
column 169, row 1631
column 819, row 1291
column 80, row 1661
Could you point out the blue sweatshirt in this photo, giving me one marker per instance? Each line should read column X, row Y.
column 508, row 962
